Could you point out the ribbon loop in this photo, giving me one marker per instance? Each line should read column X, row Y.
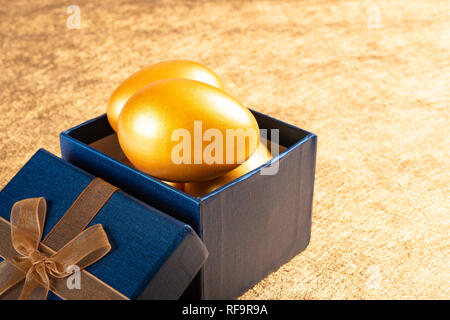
column 27, row 224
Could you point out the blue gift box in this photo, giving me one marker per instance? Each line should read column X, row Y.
column 153, row 256
column 250, row 226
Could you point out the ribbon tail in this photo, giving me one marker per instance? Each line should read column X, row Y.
column 32, row 290
column 10, row 277
column 85, row 249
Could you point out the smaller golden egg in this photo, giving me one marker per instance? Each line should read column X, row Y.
column 176, row 185
column 171, row 69
column 260, row 157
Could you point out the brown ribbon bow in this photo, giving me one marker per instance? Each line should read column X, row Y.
column 38, row 262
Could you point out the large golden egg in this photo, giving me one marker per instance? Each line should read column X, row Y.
column 185, row 130
column 164, row 70
column 260, row 157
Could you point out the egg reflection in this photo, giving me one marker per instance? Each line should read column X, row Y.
column 177, row 185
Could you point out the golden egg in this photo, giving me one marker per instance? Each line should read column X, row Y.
column 164, row 70
column 260, row 157
column 186, row 130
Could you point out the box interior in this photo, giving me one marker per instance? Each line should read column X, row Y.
column 99, row 135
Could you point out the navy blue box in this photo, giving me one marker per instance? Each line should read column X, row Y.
column 153, row 256
column 251, row 226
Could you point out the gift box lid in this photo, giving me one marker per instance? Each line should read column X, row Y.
column 152, row 256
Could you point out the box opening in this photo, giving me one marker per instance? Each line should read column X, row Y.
column 98, row 134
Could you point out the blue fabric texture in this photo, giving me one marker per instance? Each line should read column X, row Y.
column 142, row 238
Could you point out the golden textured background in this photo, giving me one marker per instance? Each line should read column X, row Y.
column 375, row 89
